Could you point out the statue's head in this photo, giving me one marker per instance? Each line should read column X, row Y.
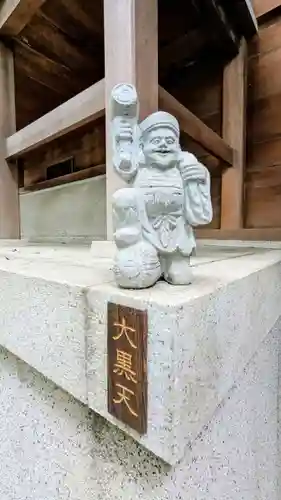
column 160, row 139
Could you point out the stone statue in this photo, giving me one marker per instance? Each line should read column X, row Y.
column 168, row 193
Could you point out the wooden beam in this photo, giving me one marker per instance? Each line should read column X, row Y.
column 246, row 11
column 244, row 234
column 16, row 14
column 181, row 50
column 234, row 133
column 216, row 16
column 195, row 128
column 78, row 111
column 241, row 15
column 9, row 196
column 47, row 72
column 131, row 56
column 262, row 7
column 85, row 173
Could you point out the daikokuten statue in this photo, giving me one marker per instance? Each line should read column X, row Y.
column 168, row 193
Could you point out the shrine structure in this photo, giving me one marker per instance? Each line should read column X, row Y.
column 170, row 392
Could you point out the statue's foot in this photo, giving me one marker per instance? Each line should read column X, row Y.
column 177, row 270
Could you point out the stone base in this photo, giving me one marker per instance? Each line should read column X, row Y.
column 212, row 378
column 54, row 448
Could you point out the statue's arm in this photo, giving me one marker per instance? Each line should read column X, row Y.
column 125, row 130
column 125, row 148
column 197, row 189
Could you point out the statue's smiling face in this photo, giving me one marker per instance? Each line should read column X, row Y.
column 161, row 147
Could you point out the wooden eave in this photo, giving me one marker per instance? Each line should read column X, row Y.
column 236, row 17
column 242, row 14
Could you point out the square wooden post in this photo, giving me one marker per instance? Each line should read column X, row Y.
column 131, row 56
column 9, row 193
column 234, row 133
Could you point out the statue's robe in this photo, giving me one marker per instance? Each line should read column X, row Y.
column 169, row 207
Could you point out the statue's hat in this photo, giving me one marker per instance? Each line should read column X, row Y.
column 160, row 119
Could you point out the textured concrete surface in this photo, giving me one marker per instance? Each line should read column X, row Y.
column 70, row 211
column 201, row 337
column 54, row 448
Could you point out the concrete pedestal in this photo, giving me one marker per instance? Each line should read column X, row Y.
column 212, row 379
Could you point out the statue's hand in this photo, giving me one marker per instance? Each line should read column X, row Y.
column 124, row 147
column 125, row 162
column 125, row 132
column 193, row 172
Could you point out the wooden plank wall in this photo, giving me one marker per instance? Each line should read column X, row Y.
column 263, row 167
column 86, row 145
column 262, row 7
column 263, row 176
column 203, row 96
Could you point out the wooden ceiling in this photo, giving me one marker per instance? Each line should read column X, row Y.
column 60, row 52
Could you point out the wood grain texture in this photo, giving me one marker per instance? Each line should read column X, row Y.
column 182, row 48
column 266, row 81
column 202, row 95
column 31, row 108
column 244, row 234
column 127, row 366
column 262, row 7
column 9, row 197
column 263, row 155
column 68, row 38
column 59, row 52
column 86, row 146
column 195, row 128
column 263, row 174
column 268, row 39
column 201, row 92
column 131, row 47
column 16, row 14
column 50, row 73
column 264, row 197
column 58, row 46
column 81, row 109
column 234, row 133
column 86, row 173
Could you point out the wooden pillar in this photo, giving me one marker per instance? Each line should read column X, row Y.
column 9, row 193
column 131, row 56
column 234, row 133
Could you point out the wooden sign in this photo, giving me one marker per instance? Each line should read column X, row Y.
column 127, row 366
